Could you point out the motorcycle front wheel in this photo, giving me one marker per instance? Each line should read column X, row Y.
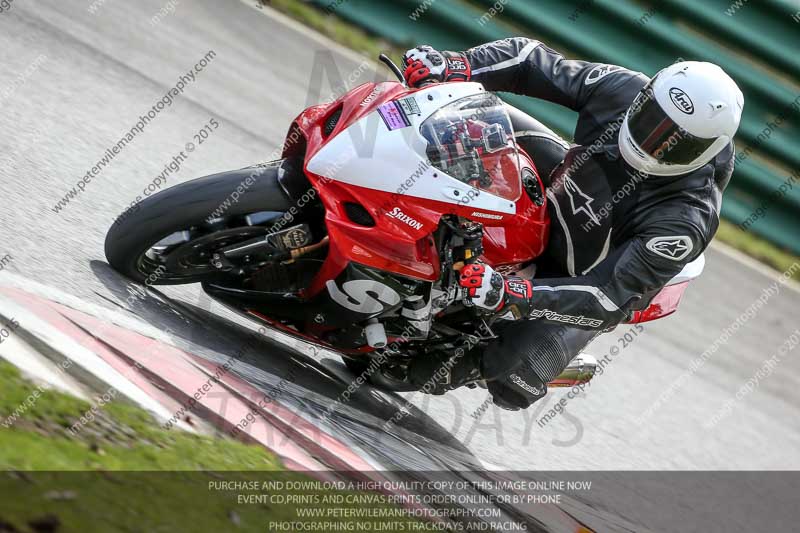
column 170, row 238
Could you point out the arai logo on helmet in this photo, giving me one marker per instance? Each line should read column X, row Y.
column 681, row 100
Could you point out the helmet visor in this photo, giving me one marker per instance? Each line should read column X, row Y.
column 657, row 135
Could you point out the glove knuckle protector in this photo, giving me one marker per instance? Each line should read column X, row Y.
column 425, row 63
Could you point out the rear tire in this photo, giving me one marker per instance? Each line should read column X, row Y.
column 185, row 206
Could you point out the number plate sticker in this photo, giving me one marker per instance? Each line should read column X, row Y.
column 393, row 116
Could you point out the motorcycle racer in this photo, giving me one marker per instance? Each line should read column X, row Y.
column 634, row 201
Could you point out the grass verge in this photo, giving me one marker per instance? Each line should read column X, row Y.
column 122, row 472
column 336, row 29
column 121, row 436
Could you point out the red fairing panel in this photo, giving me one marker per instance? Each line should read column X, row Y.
column 665, row 303
column 522, row 237
column 311, row 120
column 390, row 245
column 401, row 240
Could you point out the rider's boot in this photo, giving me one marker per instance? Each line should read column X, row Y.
column 439, row 374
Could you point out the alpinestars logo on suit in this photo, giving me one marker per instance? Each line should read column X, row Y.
column 675, row 247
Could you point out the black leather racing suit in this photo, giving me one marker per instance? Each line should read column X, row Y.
column 617, row 237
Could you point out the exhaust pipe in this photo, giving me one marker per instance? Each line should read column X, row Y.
column 580, row 370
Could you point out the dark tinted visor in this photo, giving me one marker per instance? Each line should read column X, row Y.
column 659, row 136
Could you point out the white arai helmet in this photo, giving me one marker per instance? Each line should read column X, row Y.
column 682, row 118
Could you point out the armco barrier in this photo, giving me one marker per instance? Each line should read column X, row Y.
column 756, row 42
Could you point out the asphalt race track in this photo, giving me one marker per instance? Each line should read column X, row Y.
column 73, row 82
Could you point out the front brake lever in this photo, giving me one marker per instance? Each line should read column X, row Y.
column 386, row 60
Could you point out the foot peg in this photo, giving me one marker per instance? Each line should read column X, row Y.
column 376, row 334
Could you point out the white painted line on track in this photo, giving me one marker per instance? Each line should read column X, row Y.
column 70, row 349
column 313, row 34
column 38, row 368
column 126, row 321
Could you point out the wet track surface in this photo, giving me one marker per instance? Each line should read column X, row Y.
column 72, row 83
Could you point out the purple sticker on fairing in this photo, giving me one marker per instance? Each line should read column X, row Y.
column 394, row 117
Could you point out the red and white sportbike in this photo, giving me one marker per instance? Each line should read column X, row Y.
column 353, row 239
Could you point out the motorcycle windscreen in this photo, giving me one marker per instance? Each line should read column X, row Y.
column 472, row 140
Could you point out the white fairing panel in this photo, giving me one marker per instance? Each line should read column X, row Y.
column 690, row 271
column 369, row 154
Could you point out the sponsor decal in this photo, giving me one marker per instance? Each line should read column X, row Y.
column 520, row 287
column 580, row 201
column 536, row 391
column 681, row 100
column 456, row 63
column 371, row 96
column 365, row 296
column 393, row 116
column 409, row 106
column 578, row 320
column 506, row 41
column 599, row 72
column 674, row 247
column 486, row 215
column 399, row 215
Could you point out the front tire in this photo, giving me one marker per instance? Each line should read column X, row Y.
column 195, row 207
